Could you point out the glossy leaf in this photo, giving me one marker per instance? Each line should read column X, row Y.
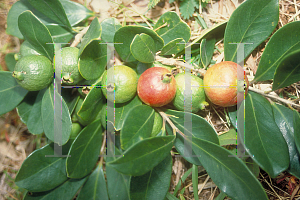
column 25, row 106
column 70, row 99
column 109, row 28
column 143, row 48
column 173, row 47
column 228, row 138
column 92, row 61
column 254, row 27
column 206, row 51
column 252, row 166
column 283, row 42
column 232, row 114
column 50, row 122
column 85, row 150
column 66, row 191
column 125, row 36
column 91, row 106
column 288, row 71
column 95, row 186
column 36, row 33
column 154, row 184
column 117, row 184
column 260, row 126
column 34, row 122
column 59, row 33
column 137, row 125
column 37, row 168
column 143, row 156
column 235, row 180
column 93, row 33
column 52, row 9
column 170, row 27
column 10, row 61
column 200, row 128
column 284, row 119
column 296, row 117
column 11, row 93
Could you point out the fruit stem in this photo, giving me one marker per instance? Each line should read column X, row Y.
column 166, row 78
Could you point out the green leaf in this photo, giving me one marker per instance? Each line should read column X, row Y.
column 26, row 105
column 70, row 99
column 200, row 128
column 154, row 184
column 59, row 33
column 195, row 181
column 252, row 166
column 37, row 168
column 232, row 114
column 76, row 12
column 66, row 191
column 125, row 36
column 283, row 42
column 259, row 20
column 170, row 27
column 117, row 184
column 235, row 178
column 206, row 51
column 52, row 9
column 288, row 71
column 284, row 119
column 10, row 61
column 91, row 105
column 11, row 93
column 93, row 33
column 228, row 138
column 143, row 156
column 50, row 122
column 92, row 61
column 85, row 150
column 152, row 3
column 296, row 120
column 182, row 180
column 109, row 28
column 37, row 34
column 173, row 47
column 187, row 8
column 137, row 125
column 260, row 126
column 143, row 48
column 95, row 187
column 34, row 122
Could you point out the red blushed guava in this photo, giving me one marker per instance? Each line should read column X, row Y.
column 156, row 87
column 222, row 86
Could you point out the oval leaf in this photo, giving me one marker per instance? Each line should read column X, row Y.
column 207, row 48
column 283, row 42
column 154, row 184
column 143, row 48
column 52, row 9
column 173, row 47
column 288, row 71
column 273, row 157
column 59, row 33
column 296, row 120
column 95, row 186
column 92, row 61
column 125, row 35
column 200, row 128
column 26, row 105
column 85, row 150
column 169, row 27
column 137, row 125
column 284, row 119
column 65, row 191
column 143, row 156
column 236, row 180
column 11, row 93
column 109, row 28
column 10, row 61
column 255, row 27
column 51, row 123
column 36, row 33
column 93, row 33
column 37, row 168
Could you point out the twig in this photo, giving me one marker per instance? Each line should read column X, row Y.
column 79, row 36
column 207, row 178
column 287, row 102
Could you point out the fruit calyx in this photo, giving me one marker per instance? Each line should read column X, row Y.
column 18, row 75
column 166, row 78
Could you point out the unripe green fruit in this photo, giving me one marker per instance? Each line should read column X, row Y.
column 76, row 128
column 69, row 69
column 157, row 126
column 198, row 94
column 34, row 72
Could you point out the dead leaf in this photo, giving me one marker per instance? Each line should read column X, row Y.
column 251, row 64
